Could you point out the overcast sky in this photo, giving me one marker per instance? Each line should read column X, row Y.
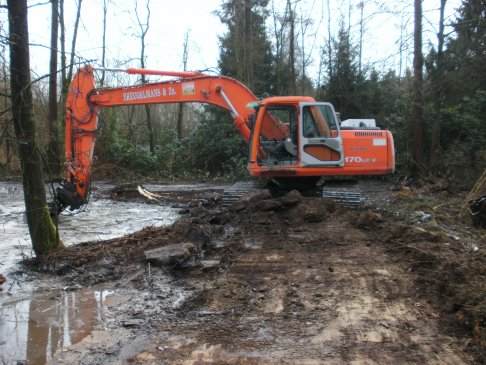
column 170, row 20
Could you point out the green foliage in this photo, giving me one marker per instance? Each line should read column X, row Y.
column 116, row 146
column 344, row 80
column 463, row 138
column 457, row 85
column 110, row 126
column 213, row 150
column 171, row 155
column 216, row 147
column 134, row 157
column 465, row 56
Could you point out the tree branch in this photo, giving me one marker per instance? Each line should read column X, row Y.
column 39, row 4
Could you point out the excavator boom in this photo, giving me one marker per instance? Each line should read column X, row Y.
column 84, row 101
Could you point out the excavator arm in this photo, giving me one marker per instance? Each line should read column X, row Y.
column 85, row 100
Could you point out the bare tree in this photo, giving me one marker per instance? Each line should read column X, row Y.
column 144, row 27
column 103, row 43
column 438, row 92
column 52, row 120
column 401, row 46
column 280, row 35
column 350, row 12
column 42, row 231
column 248, row 43
column 66, row 78
column 62, row 41
column 180, row 114
column 5, row 131
column 329, row 38
column 418, row 111
column 73, row 44
column 361, row 31
column 293, row 76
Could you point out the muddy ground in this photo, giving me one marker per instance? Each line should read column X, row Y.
column 290, row 280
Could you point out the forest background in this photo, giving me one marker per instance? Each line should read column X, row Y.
column 276, row 48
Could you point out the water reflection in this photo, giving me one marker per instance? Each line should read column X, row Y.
column 33, row 329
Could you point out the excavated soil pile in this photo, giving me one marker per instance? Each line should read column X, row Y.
column 295, row 280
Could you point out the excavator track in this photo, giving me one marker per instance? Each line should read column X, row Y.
column 347, row 195
column 232, row 194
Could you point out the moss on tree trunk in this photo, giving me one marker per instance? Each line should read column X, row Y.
column 42, row 230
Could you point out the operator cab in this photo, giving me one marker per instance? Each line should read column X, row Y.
column 279, row 148
column 299, row 134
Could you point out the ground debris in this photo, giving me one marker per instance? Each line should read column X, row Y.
column 297, row 279
column 135, row 322
column 477, row 210
column 171, row 254
column 250, row 199
column 262, row 200
column 368, row 220
column 149, row 195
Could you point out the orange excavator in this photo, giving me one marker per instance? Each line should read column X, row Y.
column 291, row 138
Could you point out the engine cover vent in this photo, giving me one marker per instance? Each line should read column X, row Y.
column 368, row 134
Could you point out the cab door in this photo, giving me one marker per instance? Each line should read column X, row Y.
column 320, row 141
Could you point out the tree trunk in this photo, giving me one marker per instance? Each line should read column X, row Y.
column 103, row 44
column 143, row 32
column 293, row 76
column 42, row 231
column 5, row 105
column 438, row 94
column 53, row 151
column 248, row 44
column 418, row 111
column 150, row 129
column 329, row 39
column 361, row 31
column 64, row 81
column 278, row 61
column 401, row 46
column 180, row 114
column 73, row 45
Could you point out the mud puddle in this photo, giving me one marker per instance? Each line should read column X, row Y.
column 40, row 316
column 37, row 328
column 34, row 327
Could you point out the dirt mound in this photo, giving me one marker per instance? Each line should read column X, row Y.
column 90, row 263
